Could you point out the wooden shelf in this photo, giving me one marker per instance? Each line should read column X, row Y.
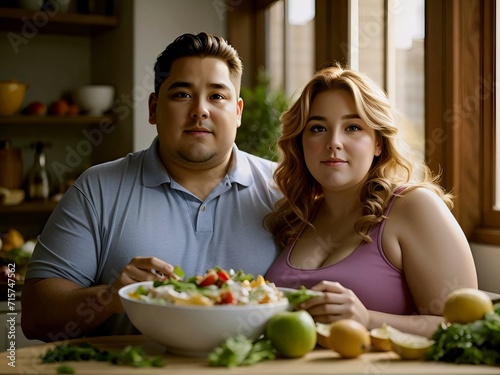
column 55, row 120
column 21, row 26
column 16, row 20
column 42, row 207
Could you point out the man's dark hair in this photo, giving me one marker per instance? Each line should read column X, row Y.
column 200, row 45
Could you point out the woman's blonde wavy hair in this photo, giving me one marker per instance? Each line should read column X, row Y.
column 389, row 173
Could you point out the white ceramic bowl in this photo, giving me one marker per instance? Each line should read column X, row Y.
column 94, row 99
column 196, row 330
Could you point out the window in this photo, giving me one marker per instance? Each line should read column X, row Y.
column 290, row 49
column 389, row 48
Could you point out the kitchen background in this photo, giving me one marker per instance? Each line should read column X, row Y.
column 118, row 50
column 115, row 43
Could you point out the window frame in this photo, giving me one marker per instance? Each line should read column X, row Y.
column 489, row 231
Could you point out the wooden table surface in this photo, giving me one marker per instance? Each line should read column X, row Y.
column 319, row 361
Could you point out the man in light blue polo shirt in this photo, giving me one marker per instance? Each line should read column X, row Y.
column 192, row 199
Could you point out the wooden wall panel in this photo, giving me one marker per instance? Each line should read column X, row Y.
column 454, row 104
column 332, row 31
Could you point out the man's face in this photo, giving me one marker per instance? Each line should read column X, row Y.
column 197, row 112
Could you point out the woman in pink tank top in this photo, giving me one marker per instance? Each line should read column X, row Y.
column 355, row 222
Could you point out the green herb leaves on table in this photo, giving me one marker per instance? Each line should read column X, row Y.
column 241, row 351
column 128, row 356
column 477, row 342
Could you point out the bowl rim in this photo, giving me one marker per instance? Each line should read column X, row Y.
column 123, row 293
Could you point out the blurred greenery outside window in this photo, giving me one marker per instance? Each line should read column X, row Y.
column 260, row 124
column 289, row 65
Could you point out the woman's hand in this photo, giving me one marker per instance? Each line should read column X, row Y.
column 139, row 269
column 336, row 303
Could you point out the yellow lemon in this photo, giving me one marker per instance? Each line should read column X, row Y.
column 349, row 338
column 323, row 334
column 380, row 338
column 466, row 305
column 409, row 346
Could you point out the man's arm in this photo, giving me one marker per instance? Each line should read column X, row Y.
column 57, row 309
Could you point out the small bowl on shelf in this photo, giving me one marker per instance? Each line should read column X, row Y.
column 95, row 100
column 11, row 96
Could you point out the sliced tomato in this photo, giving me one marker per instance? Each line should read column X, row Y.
column 209, row 279
column 223, row 275
column 226, row 298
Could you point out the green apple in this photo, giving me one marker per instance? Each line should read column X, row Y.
column 292, row 333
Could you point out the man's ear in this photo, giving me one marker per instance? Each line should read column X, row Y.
column 153, row 101
column 239, row 110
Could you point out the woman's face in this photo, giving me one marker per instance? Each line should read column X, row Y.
column 338, row 146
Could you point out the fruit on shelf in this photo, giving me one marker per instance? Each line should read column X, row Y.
column 73, row 110
column 59, row 108
column 36, row 109
column 11, row 239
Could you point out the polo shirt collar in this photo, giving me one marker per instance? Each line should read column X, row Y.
column 153, row 171
column 240, row 171
column 155, row 174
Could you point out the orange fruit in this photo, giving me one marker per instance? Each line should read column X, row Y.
column 349, row 338
column 466, row 305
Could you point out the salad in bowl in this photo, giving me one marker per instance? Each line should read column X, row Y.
column 216, row 287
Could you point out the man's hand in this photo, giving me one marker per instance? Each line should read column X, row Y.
column 139, row 269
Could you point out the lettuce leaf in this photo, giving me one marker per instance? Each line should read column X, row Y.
column 477, row 342
column 300, row 295
column 241, row 351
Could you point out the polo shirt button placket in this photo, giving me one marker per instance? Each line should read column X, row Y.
column 204, row 221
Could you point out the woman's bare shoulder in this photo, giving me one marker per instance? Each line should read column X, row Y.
column 419, row 198
column 417, row 209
